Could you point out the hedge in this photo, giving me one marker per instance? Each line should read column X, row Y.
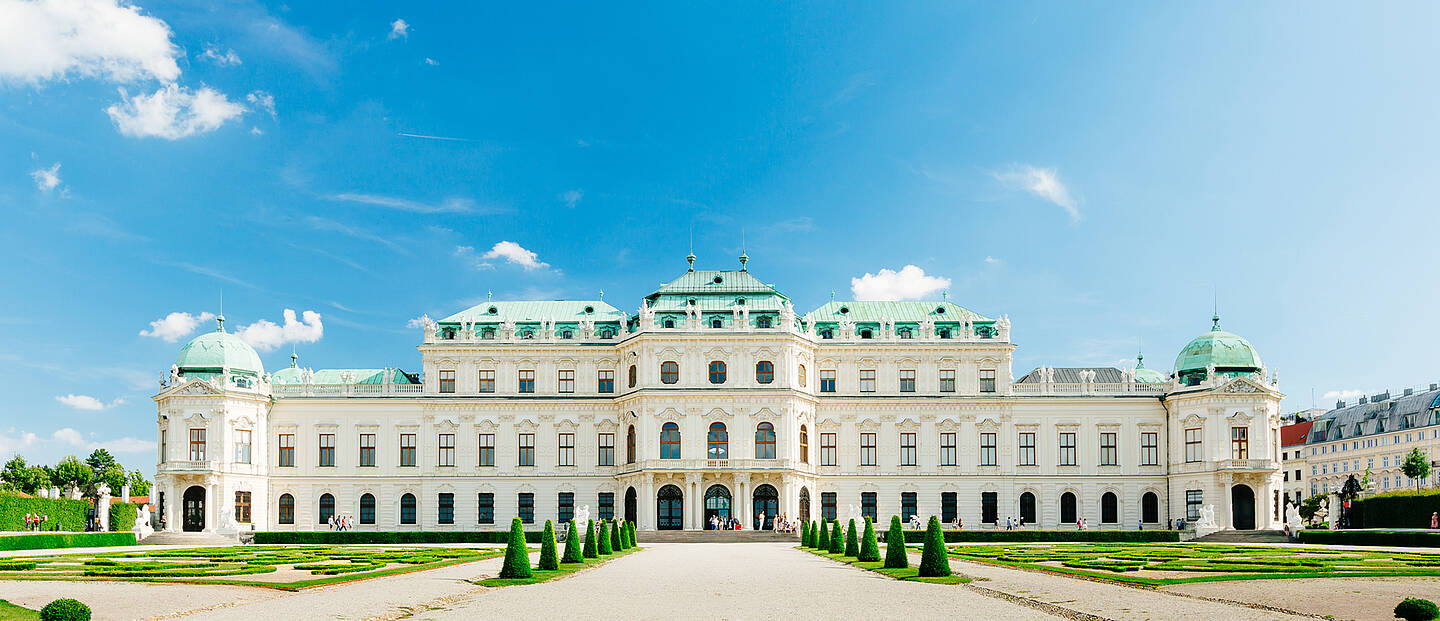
column 64, row 512
column 45, row 541
column 985, row 536
column 1372, row 538
column 390, row 536
column 1402, row 509
column 122, row 516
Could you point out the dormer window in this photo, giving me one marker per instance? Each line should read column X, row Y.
column 669, row 323
column 844, row 310
column 865, row 334
column 716, row 323
column 739, row 301
column 763, row 322
column 528, row 334
column 827, row 333
column 589, row 310
column 945, row 333
column 905, row 333
column 492, row 310
column 567, row 334
column 607, row 334
column 717, row 279
column 488, row 334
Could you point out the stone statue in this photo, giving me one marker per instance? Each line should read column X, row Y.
column 1207, row 518
column 174, row 375
column 855, row 513
column 142, row 528
column 1293, row 523
column 102, row 490
column 582, row 516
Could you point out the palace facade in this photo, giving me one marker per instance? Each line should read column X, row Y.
column 717, row 398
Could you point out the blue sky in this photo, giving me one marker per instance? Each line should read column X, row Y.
column 1097, row 171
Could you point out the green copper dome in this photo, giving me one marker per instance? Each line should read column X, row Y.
column 1229, row 353
column 1147, row 376
column 213, row 351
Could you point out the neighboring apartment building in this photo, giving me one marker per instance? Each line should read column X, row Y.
column 1375, row 434
column 1292, row 460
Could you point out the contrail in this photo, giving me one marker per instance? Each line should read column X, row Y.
column 447, row 138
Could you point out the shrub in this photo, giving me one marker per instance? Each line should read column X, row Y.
column 517, row 556
column 572, row 546
column 548, row 558
column 604, row 541
column 625, row 536
column 387, row 537
column 45, row 541
column 1372, row 538
column 895, row 556
column 1118, row 536
column 822, row 538
column 66, row 513
column 73, row 610
column 1411, row 609
column 804, row 534
column 852, row 540
column 590, row 550
column 122, row 516
column 869, row 549
column 630, row 527
column 933, row 561
column 1399, row 509
column 615, row 544
column 837, row 539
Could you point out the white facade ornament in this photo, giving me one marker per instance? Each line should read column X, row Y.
column 582, row 516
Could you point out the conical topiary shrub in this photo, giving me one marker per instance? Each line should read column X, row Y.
column 630, row 527
column 822, row 538
column 869, row 549
column 933, row 561
column 572, row 546
column 804, row 535
column 895, row 556
column 852, row 540
column 615, row 544
column 625, row 536
column 517, row 557
column 590, row 550
column 837, row 539
column 549, row 558
column 604, row 541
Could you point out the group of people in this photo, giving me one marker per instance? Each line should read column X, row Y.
column 35, row 521
column 341, row 523
column 719, row 523
column 784, row 524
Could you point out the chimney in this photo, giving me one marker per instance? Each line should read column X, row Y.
column 1380, row 397
column 1409, row 391
column 1339, row 405
column 1363, row 401
column 1435, row 387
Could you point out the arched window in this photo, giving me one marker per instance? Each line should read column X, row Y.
column 1150, row 508
column 669, row 372
column 1027, row 507
column 287, row 509
column 630, row 445
column 764, row 372
column 1109, row 508
column 327, row 508
column 763, row 322
column 1068, row 515
column 670, row 508
column 827, row 333
column 804, row 445
column 407, row 509
column 804, row 504
column 905, row 333
column 669, row 441
column 567, row 334
column 866, row 333
column 764, row 441
column 801, row 372
column 607, row 333
column 717, row 442
column 488, row 334
column 632, row 376
column 944, row 333
column 669, row 323
column 716, row 323
column 717, row 372
column 367, row 509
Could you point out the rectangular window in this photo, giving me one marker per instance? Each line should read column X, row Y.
column 607, row 505
column 949, row 507
column 1067, row 448
column 487, row 380
column 1109, row 450
column 527, row 508
column 327, row 450
column 987, row 380
column 1239, row 443
column 567, row 380
column 607, row 449
column 827, row 380
column 527, row 380
column 487, row 449
column 567, row 506
column 907, row 380
column 567, row 449
column 487, row 509
column 287, row 450
column 367, row 449
column 1194, row 498
column 987, row 449
column 407, row 449
column 907, row 449
column 1149, row 448
column 527, row 449
column 867, row 505
column 607, row 381
column 827, row 449
column 827, row 506
column 1027, row 448
column 242, row 507
column 989, row 507
column 447, row 450
column 907, row 506
column 197, row 445
column 867, row 449
column 947, row 449
column 242, row 447
column 447, row 508
column 1192, row 444
column 947, row 380
column 867, row 380
column 447, row 380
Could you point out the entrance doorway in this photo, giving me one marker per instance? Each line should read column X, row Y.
column 631, row 505
column 804, row 505
column 767, row 500
column 717, row 503
column 1027, row 507
column 194, row 506
column 1242, row 507
column 670, row 512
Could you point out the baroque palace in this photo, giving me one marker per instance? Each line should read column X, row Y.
column 716, row 399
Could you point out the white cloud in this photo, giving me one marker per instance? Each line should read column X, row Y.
column 449, row 205
column 11, row 444
column 175, row 326
column 86, row 402
column 265, row 335
column 399, row 29
column 1344, row 395
column 262, row 100
column 992, row 260
column 123, row 445
column 228, row 58
column 572, row 197
column 69, row 436
column 415, row 323
column 172, row 112
column 1044, row 183
column 47, row 179
column 109, row 39
column 910, row 283
column 431, row 61
column 514, row 253
column 255, row 131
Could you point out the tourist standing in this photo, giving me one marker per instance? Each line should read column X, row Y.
column 1435, row 520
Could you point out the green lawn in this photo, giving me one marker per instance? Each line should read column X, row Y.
column 911, row 573
column 11, row 612
column 554, row 574
column 1176, row 563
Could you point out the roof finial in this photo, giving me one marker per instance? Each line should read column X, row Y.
column 220, row 318
column 945, row 295
column 690, row 258
column 294, row 357
column 488, row 295
column 602, row 294
column 832, row 295
column 1140, row 356
column 744, row 258
column 1215, row 313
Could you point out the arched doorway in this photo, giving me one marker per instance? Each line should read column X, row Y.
column 669, row 508
column 1242, row 507
column 194, row 510
column 327, row 508
column 631, row 505
column 1027, row 507
column 1109, row 508
column 1150, row 508
column 717, row 503
column 1068, row 514
column 767, row 500
column 804, row 501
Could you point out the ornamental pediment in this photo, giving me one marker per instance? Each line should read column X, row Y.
column 1241, row 386
column 194, row 387
column 1193, row 419
column 988, row 423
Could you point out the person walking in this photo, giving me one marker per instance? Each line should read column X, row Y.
column 1435, row 520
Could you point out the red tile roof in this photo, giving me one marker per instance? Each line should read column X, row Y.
column 1293, row 435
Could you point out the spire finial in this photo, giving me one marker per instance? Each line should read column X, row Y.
column 690, row 258
column 832, row 295
column 488, row 295
column 294, row 358
column 1140, row 357
column 220, row 318
column 744, row 258
column 945, row 295
column 602, row 294
column 1215, row 312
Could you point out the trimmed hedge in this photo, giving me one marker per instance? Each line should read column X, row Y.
column 65, row 610
column 46, row 541
column 852, row 540
column 895, row 556
column 572, row 545
column 517, row 556
column 999, row 536
column 869, row 549
column 934, row 562
column 63, row 512
column 1416, row 609
column 390, row 536
column 1372, row 538
column 1401, row 509
column 549, row 558
column 122, row 516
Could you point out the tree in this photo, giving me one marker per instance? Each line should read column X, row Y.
column 1313, row 508
column 100, row 460
column 822, row 540
column 869, row 549
column 590, row 550
column 1416, row 466
column 615, row 544
column 20, row 476
column 895, row 556
column 852, row 540
column 837, row 539
column 72, row 471
column 517, row 556
column 933, row 561
column 572, row 546
column 138, row 485
column 604, row 542
column 548, row 558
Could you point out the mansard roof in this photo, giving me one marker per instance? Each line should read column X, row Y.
column 292, row 375
column 913, row 311
column 1071, row 375
column 715, row 282
column 563, row 311
column 1380, row 415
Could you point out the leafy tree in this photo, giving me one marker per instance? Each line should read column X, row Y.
column 590, row 550
column 852, row 540
column 548, row 558
column 869, row 549
column 837, row 539
column 822, row 539
column 517, row 556
column 1314, row 508
column 100, row 460
column 1416, row 466
column 572, row 546
column 604, row 548
column 20, row 476
column 72, row 471
column 895, row 556
column 934, row 561
column 138, row 485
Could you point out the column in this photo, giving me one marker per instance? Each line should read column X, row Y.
column 739, row 509
column 645, row 503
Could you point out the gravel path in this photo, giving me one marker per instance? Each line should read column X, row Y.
column 1344, row 598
